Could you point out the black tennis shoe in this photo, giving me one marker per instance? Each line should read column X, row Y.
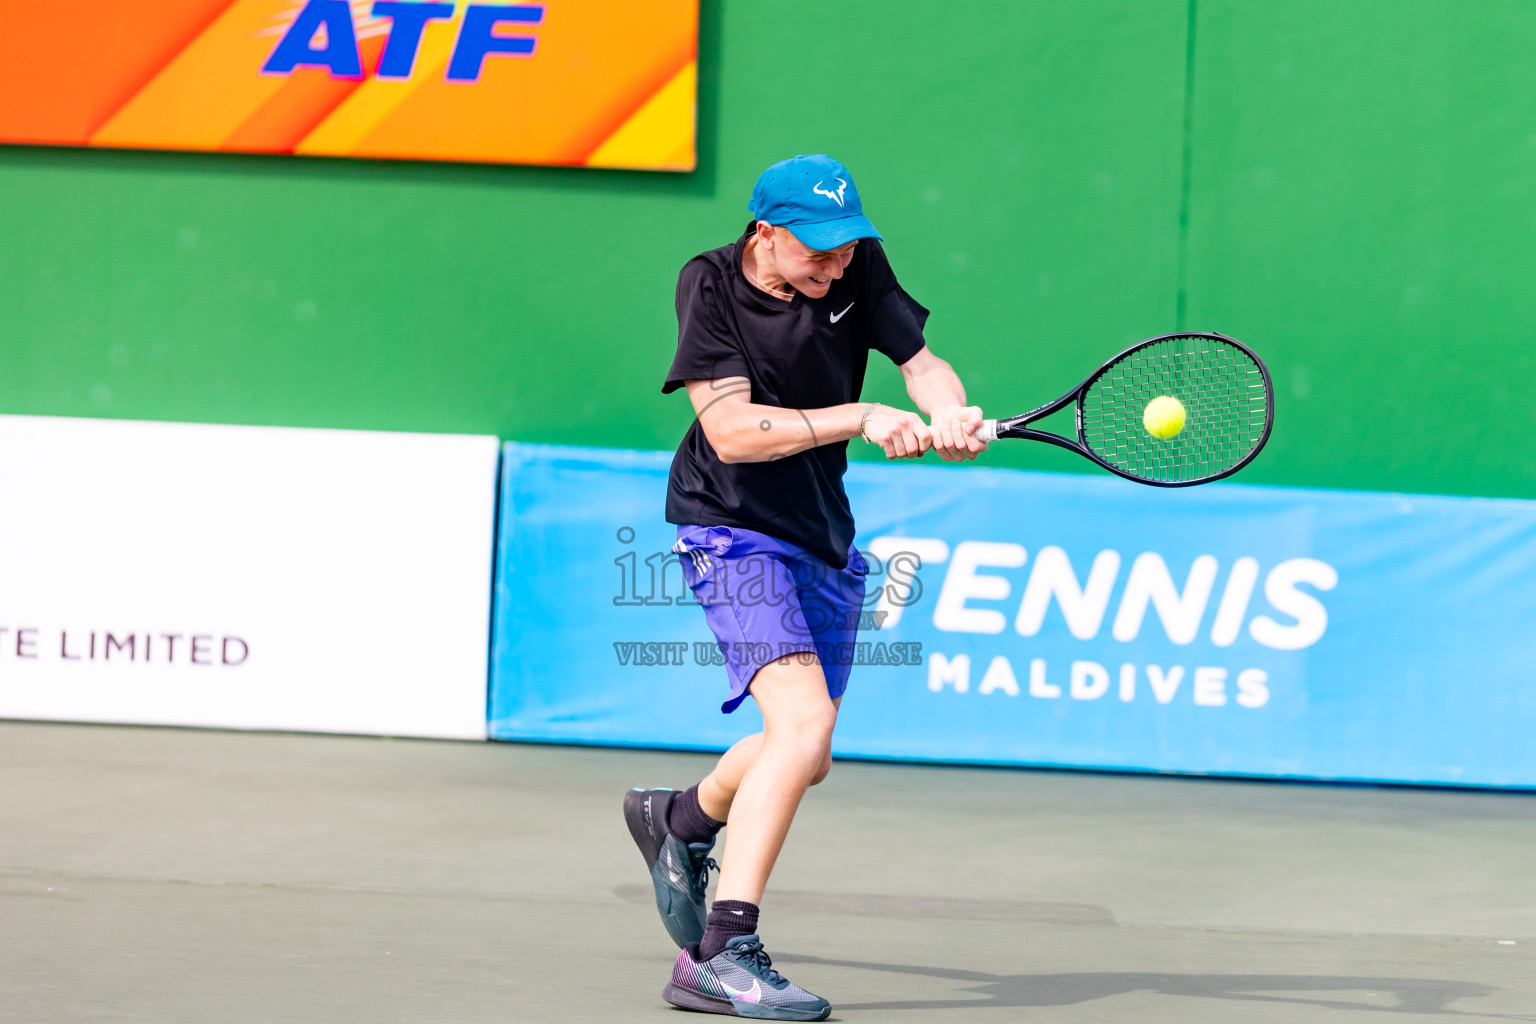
column 679, row 871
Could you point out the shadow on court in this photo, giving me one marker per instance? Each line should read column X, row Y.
column 1408, row 995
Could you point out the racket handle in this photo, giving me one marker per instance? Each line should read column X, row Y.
column 987, row 432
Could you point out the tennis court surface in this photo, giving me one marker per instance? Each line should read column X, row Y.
column 170, row 876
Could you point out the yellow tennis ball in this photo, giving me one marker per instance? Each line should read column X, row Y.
column 1164, row 417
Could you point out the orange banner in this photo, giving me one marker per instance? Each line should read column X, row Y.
column 603, row 83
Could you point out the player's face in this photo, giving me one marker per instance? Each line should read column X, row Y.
column 810, row 271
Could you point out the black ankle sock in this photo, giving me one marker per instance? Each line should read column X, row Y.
column 727, row 920
column 687, row 819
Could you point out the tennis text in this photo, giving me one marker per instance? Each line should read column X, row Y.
column 980, row 576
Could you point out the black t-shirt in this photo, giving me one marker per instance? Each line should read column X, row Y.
column 802, row 353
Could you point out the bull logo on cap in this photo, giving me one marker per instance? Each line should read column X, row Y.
column 836, row 197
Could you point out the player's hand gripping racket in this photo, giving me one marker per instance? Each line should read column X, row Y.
column 1173, row 411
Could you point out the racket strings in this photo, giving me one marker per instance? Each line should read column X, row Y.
column 1225, row 399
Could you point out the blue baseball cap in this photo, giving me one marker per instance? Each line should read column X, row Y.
column 815, row 198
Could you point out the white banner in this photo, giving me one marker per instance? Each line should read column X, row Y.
column 245, row 577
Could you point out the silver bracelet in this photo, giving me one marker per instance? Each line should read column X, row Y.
column 864, row 422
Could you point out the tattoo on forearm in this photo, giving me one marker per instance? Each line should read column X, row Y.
column 741, row 389
column 731, row 387
column 815, row 441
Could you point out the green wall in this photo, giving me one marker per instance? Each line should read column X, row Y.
column 1364, row 185
column 1349, row 187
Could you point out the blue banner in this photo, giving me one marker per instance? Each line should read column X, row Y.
column 1044, row 619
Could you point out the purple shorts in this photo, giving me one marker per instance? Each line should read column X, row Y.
column 765, row 598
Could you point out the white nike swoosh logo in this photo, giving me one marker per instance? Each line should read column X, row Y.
column 751, row 995
column 838, row 316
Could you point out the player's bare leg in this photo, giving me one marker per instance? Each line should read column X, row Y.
column 798, row 717
column 718, row 789
column 677, row 849
column 757, row 787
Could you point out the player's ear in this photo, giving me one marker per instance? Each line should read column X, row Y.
column 765, row 234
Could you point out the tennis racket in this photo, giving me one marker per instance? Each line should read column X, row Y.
column 1124, row 423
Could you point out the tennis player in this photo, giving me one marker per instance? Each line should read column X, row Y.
column 774, row 334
